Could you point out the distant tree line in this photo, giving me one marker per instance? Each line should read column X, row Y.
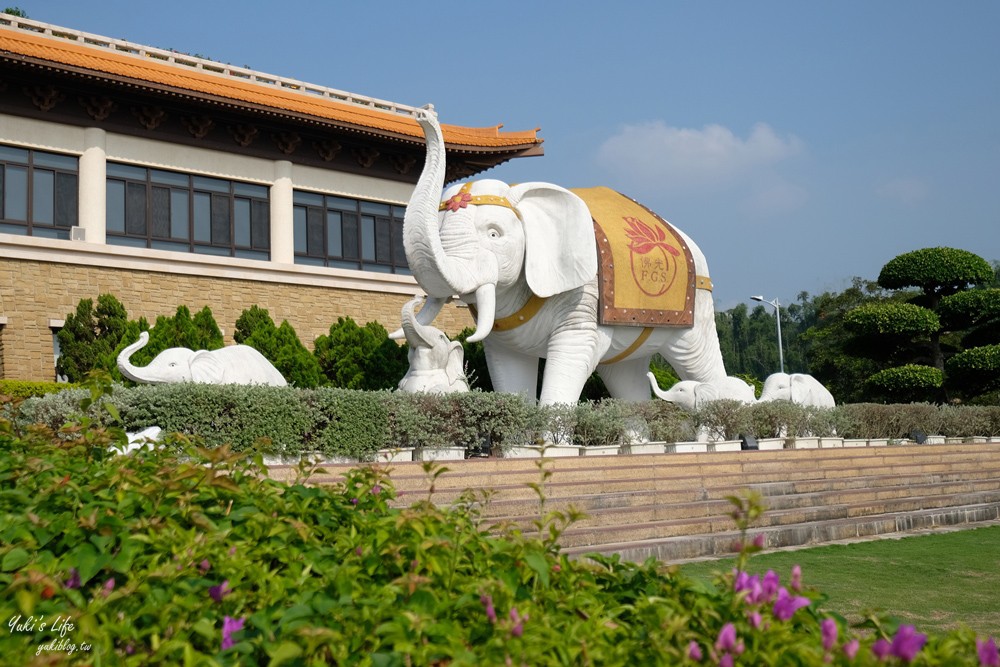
column 927, row 329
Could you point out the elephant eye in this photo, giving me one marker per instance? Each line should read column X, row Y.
column 494, row 233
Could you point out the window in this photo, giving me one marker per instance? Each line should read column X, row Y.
column 348, row 233
column 166, row 210
column 38, row 192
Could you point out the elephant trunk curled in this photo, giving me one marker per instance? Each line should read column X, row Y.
column 440, row 266
column 133, row 373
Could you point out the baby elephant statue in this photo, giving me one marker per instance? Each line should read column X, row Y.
column 692, row 395
column 797, row 388
column 235, row 364
column 436, row 363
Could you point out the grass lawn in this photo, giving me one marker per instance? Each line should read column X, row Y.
column 936, row 582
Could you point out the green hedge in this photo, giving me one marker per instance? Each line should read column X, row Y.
column 289, row 421
column 20, row 389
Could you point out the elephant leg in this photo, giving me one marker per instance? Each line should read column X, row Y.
column 511, row 371
column 570, row 361
column 627, row 379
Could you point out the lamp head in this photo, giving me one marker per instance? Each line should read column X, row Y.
column 757, row 298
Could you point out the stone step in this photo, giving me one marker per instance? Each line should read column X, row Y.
column 614, row 508
column 635, row 528
column 721, row 543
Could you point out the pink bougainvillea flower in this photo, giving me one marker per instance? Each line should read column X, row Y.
column 881, row 648
column 787, row 604
column 759, row 540
column 727, row 660
column 988, row 654
column 727, row 639
column 109, row 586
column 694, row 651
column 907, row 643
column 230, row 626
column 376, row 490
column 491, row 612
column 232, row 550
column 828, row 628
column 74, row 578
column 519, row 620
column 205, row 566
column 851, row 648
column 756, row 620
column 796, row 578
column 770, row 585
column 220, row 591
column 354, row 501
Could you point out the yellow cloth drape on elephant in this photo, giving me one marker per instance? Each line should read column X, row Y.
column 646, row 272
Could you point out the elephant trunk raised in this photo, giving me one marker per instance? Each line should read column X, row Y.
column 444, row 262
column 436, row 363
column 135, row 373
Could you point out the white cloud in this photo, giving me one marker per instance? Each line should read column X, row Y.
column 907, row 191
column 676, row 158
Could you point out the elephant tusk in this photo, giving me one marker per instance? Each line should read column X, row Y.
column 486, row 308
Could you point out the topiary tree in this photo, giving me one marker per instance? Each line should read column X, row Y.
column 200, row 332
column 280, row 345
column 89, row 337
column 355, row 357
column 915, row 331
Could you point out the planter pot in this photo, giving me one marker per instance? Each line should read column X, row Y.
column 643, row 448
column 559, row 451
column 602, row 450
column 397, row 455
column 770, row 444
column 725, row 446
column 523, row 452
column 828, row 443
column 993, row 439
column 878, row 442
column 954, row 441
column 977, row 439
column 686, row 447
column 855, row 442
column 934, row 440
column 439, row 454
column 805, row 443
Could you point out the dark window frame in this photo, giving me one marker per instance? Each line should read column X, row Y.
column 63, row 203
column 183, row 212
column 347, row 233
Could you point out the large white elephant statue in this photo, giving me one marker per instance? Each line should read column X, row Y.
column 692, row 395
column 436, row 363
column 235, row 364
column 525, row 258
column 797, row 388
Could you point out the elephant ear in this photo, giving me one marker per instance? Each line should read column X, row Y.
column 560, row 249
column 705, row 393
column 206, row 368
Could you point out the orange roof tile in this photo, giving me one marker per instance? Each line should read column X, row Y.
column 103, row 60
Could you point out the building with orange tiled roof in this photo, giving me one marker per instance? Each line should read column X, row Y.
column 167, row 180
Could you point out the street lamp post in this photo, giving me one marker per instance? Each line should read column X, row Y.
column 777, row 317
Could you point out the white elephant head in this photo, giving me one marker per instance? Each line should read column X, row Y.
column 692, row 395
column 436, row 363
column 797, row 388
column 481, row 236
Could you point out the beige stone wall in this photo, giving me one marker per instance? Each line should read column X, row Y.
column 33, row 293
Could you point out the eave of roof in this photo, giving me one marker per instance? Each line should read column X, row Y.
column 61, row 53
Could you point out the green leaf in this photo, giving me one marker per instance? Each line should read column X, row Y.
column 540, row 564
column 15, row 559
column 283, row 653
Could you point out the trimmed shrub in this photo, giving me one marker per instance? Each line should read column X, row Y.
column 89, row 336
column 979, row 366
column 280, row 345
column 946, row 269
column 600, row 424
column 892, row 318
column 354, row 357
column 911, row 382
column 724, row 419
column 21, row 389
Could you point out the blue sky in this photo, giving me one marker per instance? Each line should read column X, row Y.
column 799, row 143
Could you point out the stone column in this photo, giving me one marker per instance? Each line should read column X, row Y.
column 93, row 185
column 282, row 229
